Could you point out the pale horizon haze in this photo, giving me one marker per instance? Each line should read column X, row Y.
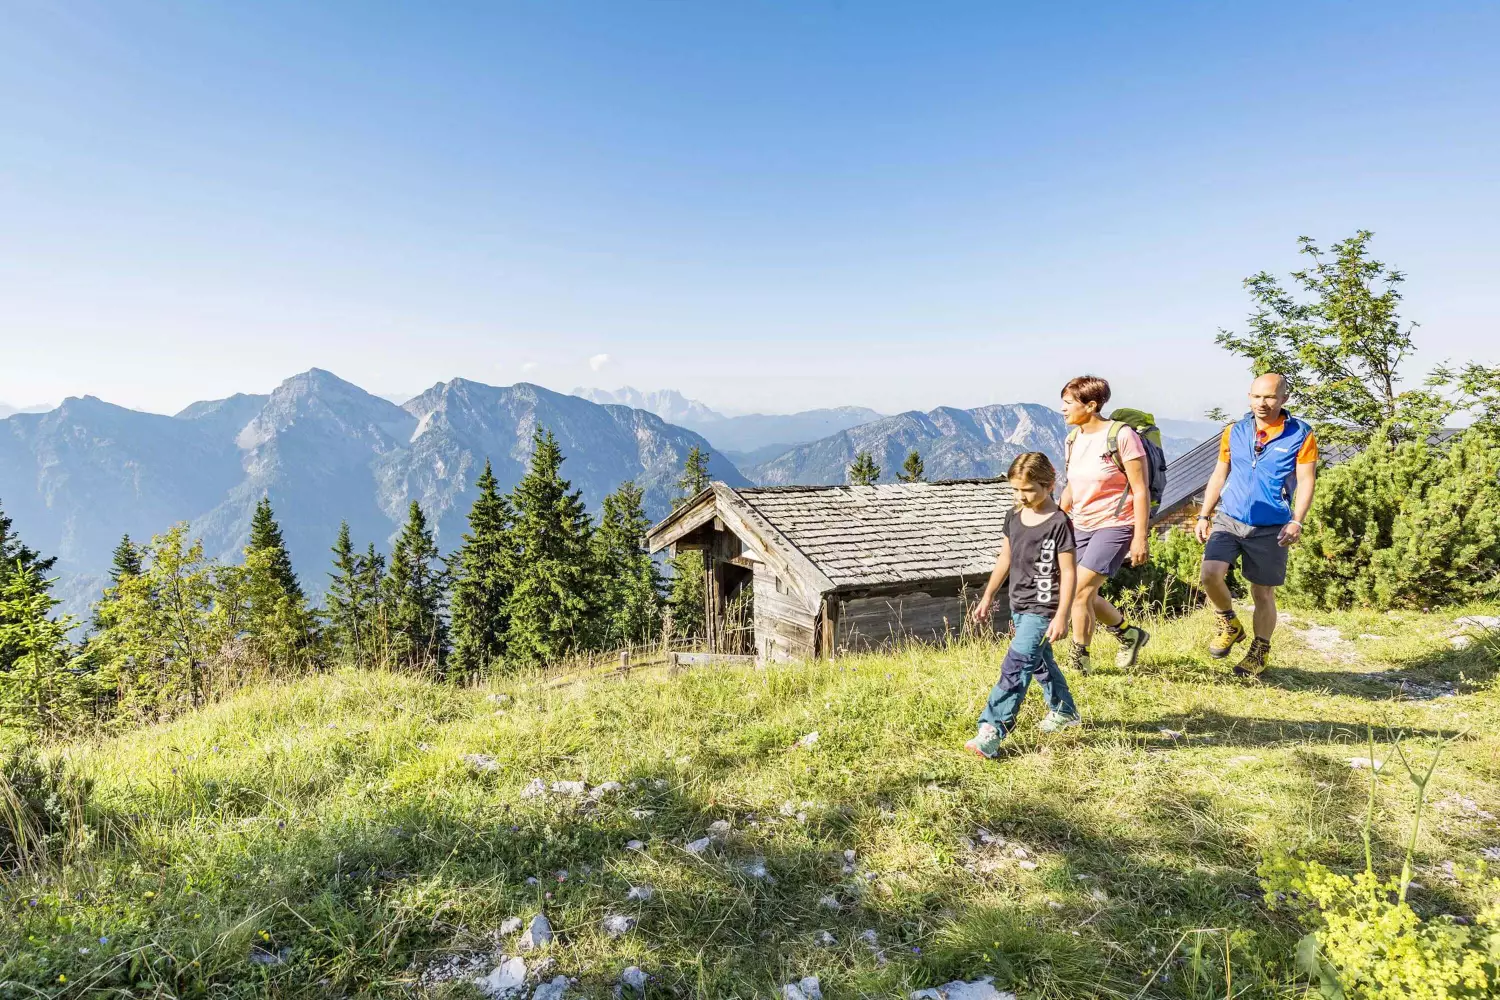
column 768, row 207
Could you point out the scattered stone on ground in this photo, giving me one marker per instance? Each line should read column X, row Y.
column 1248, row 758
column 1370, row 635
column 510, row 925
column 1099, row 896
column 808, row 739
column 634, row 979
column 756, row 868
column 806, row 988
column 982, row 988
column 1412, row 688
column 641, row 813
column 869, row 938
column 507, row 978
column 1464, row 805
column 538, row 934
column 719, row 828
column 451, row 967
column 572, row 789
column 1359, row 762
column 554, row 990
column 535, row 789
column 634, row 845
column 1172, row 734
column 607, row 788
column 829, row 903
column 1461, row 642
column 1484, row 623
column 1490, row 853
column 481, row 761
column 1029, row 866
column 827, row 940
column 641, row 893
column 1325, row 639
column 617, row 925
column 260, row 956
column 700, row 845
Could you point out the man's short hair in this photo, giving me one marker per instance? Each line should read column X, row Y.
column 1089, row 389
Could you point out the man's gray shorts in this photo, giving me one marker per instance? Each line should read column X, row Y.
column 1264, row 558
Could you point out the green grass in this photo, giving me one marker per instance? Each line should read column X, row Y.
column 337, row 819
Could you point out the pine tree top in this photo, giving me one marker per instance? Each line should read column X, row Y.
column 864, row 471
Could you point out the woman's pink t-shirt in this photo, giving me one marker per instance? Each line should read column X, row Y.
column 1097, row 483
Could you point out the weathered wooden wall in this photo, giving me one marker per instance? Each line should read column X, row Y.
column 785, row 627
column 929, row 614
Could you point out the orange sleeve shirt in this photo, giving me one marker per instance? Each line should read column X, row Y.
column 1307, row 453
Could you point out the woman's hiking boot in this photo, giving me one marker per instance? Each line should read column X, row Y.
column 1132, row 638
column 1079, row 660
column 1229, row 632
column 1256, row 658
column 1056, row 722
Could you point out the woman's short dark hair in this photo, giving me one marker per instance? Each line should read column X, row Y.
column 1089, row 389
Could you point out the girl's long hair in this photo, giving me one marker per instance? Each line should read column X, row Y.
column 1035, row 468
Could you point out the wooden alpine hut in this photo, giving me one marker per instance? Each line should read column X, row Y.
column 795, row 572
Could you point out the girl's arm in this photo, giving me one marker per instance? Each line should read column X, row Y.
column 997, row 577
column 1067, row 572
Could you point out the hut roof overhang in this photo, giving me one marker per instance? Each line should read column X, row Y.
column 849, row 538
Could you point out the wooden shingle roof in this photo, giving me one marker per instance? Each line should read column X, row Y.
column 885, row 534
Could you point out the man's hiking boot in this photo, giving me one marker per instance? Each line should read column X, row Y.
column 1131, row 641
column 1229, row 632
column 986, row 742
column 1254, row 663
column 1056, row 722
column 1079, row 659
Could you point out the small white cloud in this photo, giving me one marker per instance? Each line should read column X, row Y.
column 599, row 361
column 530, row 368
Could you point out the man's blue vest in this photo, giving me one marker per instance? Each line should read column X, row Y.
column 1261, row 484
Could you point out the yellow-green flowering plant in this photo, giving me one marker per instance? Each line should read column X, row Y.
column 1365, row 941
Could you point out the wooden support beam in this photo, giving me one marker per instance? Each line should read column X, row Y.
column 828, row 631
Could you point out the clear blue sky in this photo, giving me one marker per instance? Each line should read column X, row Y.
column 768, row 205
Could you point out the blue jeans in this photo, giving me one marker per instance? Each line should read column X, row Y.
column 1030, row 654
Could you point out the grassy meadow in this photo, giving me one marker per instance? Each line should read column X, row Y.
column 366, row 834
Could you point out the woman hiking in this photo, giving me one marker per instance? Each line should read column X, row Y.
column 1108, row 498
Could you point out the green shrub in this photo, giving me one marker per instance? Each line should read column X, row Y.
column 1168, row 582
column 41, row 807
column 1405, row 525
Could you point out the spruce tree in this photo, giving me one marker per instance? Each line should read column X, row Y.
column 864, row 471
column 687, row 594
column 265, row 536
column 16, row 556
column 482, row 569
column 37, row 691
column 345, row 590
column 912, row 470
column 630, row 583
column 413, row 594
column 552, row 603
column 126, row 562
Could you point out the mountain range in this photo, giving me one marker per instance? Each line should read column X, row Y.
column 747, row 439
column 79, row 476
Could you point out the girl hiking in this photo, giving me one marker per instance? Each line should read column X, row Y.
column 1037, row 555
column 1107, row 496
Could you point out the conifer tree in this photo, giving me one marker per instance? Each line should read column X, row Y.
column 281, row 627
column 630, row 584
column 37, row 691
column 912, row 470
column 126, row 560
column 552, row 603
column 16, row 556
column 265, row 536
column 864, row 471
column 687, row 594
column 481, row 570
column 343, row 594
column 413, row 594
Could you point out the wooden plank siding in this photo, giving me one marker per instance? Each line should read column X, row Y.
column 785, row 627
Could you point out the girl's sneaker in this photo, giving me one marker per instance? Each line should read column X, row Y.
column 1131, row 641
column 1058, row 721
column 986, row 742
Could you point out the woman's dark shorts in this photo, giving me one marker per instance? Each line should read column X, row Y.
column 1103, row 551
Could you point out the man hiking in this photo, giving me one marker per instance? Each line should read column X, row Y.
column 1263, row 488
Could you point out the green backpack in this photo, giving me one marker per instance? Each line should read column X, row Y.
column 1144, row 424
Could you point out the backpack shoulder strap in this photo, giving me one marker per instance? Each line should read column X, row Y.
column 1112, row 443
column 1068, row 448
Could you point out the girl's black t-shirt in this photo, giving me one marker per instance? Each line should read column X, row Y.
column 1035, row 577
